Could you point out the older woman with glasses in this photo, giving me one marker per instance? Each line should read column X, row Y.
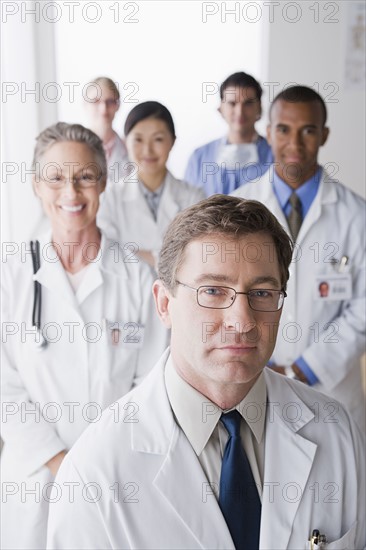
column 79, row 326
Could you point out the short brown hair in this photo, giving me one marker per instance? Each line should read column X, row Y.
column 241, row 80
column 223, row 215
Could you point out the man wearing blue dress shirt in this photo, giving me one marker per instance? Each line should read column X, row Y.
column 224, row 164
column 321, row 339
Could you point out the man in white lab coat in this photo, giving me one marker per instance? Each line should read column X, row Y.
column 322, row 333
column 162, row 469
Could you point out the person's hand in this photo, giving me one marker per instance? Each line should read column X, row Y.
column 55, row 462
column 298, row 372
column 278, row 368
column 147, row 257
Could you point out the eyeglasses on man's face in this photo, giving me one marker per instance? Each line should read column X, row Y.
column 222, row 297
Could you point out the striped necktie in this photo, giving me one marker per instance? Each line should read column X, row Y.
column 294, row 219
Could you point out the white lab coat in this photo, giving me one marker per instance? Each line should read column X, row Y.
column 125, row 215
column 118, row 163
column 333, row 227
column 150, row 491
column 80, row 367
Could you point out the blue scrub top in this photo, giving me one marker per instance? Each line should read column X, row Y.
column 203, row 171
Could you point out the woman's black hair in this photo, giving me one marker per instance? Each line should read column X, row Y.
column 149, row 109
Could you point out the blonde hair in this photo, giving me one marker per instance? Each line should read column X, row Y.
column 108, row 83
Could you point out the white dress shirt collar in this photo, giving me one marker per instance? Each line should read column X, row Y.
column 198, row 416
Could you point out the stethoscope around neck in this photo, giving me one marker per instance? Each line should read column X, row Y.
column 41, row 342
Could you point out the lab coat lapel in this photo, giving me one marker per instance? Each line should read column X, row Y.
column 92, row 280
column 168, row 207
column 288, row 460
column 269, row 199
column 180, row 479
column 139, row 207
column 183, row 483
column 52, row 276
column 326, row 194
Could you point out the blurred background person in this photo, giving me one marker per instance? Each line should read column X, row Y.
column 102, row 102
column 140, row 208
column 86, row 329
column 242, row 155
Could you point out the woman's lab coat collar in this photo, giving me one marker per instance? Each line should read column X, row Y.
column 132, row 192
column 52, row 275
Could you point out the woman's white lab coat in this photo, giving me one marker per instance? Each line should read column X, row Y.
column 118, row 162
column 125, row 215
column 51, row 396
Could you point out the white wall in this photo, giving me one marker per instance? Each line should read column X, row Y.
column 25, row 71
column 313, row 50
column 167, row 55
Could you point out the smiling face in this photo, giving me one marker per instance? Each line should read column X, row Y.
column 295, row 133
column 149, row 144
column 240, row 108
column 71, row 208
column 218, row 349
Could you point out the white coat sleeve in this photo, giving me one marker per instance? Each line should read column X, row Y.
column 331, row 358
column 23, row 426
column 360, row 456
column 75, row 520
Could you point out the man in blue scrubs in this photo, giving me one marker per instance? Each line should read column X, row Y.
column 224, row 164
column 321, row 339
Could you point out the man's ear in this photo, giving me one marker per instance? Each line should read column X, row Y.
column 35, row 185
column 162, row 297
column 325, row 135
column 259, row 115
column 269, row 134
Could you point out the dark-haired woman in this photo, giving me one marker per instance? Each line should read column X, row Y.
column 139, row 209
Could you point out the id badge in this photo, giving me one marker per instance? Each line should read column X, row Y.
column 330, row 287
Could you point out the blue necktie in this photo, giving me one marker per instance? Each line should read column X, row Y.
column 239, row 500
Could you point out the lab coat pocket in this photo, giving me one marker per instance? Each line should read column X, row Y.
column 347, row 542
column 128, row 335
